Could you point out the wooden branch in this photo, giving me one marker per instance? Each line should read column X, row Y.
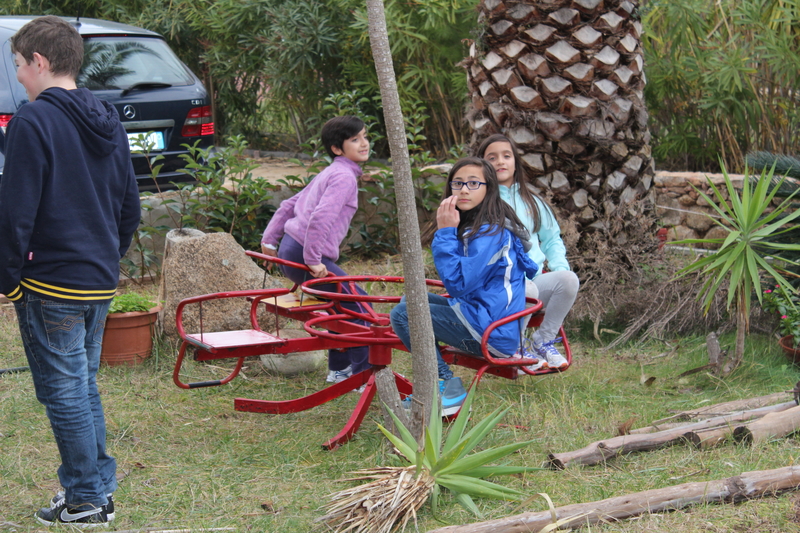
column 563, row 53
column 540, row 34
column 746, row 486
column 527, row 98
column 773, row 425
column 725, row 408
column 600, row 451
column 738, row 416
column 565, row 17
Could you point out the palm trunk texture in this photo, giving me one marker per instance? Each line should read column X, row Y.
column 564, row 79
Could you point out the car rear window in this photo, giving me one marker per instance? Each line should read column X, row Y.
column 121, row 62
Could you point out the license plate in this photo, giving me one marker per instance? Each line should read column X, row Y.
column 141, row 141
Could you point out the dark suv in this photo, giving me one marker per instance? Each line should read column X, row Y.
column 133, row 69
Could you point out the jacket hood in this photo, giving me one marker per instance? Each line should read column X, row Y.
column 528, row 265
column 521, row 233
column 95, row 120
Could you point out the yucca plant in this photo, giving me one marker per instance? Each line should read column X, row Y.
column 742, row 255
column 396, row 493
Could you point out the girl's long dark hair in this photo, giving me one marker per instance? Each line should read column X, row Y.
column 488, row 218
column 520, row 178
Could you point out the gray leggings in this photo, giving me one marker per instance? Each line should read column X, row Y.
column 557, row 291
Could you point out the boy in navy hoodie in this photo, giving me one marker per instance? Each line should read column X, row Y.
column 69, row 205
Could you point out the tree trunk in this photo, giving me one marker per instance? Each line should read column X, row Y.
column 419, row 316
column 734, row 489
column 570, row 75
column 742, row 325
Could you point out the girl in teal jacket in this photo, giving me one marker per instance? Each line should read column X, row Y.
column 558, row 286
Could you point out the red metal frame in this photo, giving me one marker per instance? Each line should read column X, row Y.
column 340, row 331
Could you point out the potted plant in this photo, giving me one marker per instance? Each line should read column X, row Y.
column 785, row 304
column 128, row 337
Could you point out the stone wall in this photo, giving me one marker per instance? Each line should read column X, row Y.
column 682, row 210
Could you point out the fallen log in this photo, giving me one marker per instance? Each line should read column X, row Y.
column 773, row 425
column 600, row 451
column 704, row 439
column 726, row 407
column 739, row 416
column 746, row 486
column 778, row 423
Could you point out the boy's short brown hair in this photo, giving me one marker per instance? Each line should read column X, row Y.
column 53, row 38
column 337, row 130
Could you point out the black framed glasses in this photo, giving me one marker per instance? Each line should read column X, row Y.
column 471, row 185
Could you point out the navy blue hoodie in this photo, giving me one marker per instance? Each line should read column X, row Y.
column 69, row 202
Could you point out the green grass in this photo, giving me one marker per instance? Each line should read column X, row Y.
column 187, row 460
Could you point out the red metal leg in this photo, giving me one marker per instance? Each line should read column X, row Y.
column 327, row 394
column 357, row 417
column 404, row 387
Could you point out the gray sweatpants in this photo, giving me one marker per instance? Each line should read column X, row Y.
column 557, row 291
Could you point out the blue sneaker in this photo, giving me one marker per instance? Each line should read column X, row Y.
column 455, row 403
column 453, row 396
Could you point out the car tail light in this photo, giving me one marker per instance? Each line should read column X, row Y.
column 198, row 122
column 4, row 121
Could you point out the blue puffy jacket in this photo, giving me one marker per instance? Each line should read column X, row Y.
column 485, row 278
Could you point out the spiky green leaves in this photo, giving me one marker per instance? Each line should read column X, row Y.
column 452, row 464
column 742, row 254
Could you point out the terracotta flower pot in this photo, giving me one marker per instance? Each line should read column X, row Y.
column 128, row 337
column 787, row 343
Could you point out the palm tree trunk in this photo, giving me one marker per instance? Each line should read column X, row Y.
column 742, row 325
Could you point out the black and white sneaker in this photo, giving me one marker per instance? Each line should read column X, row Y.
column 60, row 496
column 82, row 518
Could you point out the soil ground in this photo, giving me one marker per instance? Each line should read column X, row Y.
column 275, row 168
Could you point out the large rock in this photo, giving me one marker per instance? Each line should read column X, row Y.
column 294, row 363
column 197, row 264
column 698, row 220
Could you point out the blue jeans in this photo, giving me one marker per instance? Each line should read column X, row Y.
column 447, row 328
column 356, row 357
column 62, row 342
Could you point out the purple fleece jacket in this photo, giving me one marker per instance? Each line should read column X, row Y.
column 319, row 216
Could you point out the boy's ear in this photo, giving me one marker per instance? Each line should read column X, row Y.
column 41, row 62
column 336, row 150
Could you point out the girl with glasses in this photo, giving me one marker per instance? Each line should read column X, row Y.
column 479, row 249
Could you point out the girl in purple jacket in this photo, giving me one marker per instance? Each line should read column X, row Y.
column 311, row 225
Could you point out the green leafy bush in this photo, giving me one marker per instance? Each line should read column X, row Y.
column 228, row 198
column 721, row 79
column 130, row 302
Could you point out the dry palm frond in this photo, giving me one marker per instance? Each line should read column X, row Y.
column 382, row 505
